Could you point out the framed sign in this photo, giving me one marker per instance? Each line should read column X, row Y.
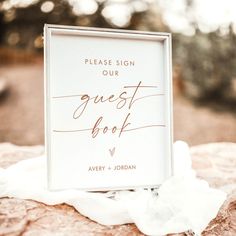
column 108, row 108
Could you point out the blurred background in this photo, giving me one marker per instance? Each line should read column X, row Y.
column 204, row 60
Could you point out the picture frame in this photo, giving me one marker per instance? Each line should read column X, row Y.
column 108, row 108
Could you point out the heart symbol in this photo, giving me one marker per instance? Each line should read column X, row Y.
column 112, row 151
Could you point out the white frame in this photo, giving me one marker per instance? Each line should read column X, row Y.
column 104, row 32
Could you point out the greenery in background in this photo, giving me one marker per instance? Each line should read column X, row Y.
column 205, row 62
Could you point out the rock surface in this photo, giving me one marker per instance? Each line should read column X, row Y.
column 215, row 163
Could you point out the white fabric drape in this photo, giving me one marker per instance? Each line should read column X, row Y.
column 182, row 203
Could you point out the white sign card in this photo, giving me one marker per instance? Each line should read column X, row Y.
column 108, row 108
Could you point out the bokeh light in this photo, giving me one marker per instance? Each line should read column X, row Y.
column 47, row 6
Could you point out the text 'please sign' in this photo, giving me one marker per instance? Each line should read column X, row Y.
column 107, row 108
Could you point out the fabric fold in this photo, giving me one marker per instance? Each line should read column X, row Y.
column 182, row 202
